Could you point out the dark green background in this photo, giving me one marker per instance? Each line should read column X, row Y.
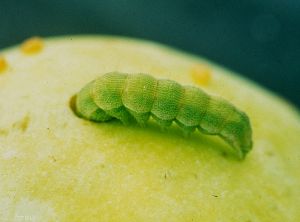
column 258, row 38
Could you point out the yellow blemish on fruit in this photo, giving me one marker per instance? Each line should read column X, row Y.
column 32, row 45
column 3, row 64
column 201, row 74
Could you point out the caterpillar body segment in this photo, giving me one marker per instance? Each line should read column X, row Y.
column 136, row 97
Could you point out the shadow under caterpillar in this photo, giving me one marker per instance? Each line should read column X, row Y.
column 135, row 97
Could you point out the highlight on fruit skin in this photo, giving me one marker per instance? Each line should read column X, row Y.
column 135, row 97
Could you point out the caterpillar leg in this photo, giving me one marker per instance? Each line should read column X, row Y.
column 187, row 130
column 164, row 124
column 122, row 114
column 204, row 131
column 100, row 116
column 141, row 118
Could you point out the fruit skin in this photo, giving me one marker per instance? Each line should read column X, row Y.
column 57, row 167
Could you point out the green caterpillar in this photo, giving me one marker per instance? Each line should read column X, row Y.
column 136, row 97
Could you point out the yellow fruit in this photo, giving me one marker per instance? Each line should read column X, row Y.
column 55, row 166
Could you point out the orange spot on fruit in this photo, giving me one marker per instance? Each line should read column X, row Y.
column 3, row 64
column 32, row 45
column 201, row 74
